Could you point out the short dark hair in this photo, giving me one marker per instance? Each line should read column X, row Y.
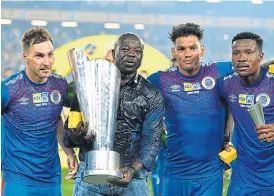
column 126, row 35
column 186, row 30
column 249, row 35
column 35, row 35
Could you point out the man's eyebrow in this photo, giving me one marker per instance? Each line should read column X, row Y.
column 39, row 53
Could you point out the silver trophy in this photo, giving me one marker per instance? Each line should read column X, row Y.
column 257, row 114
column 97, row 84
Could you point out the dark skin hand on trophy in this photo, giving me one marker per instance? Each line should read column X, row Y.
column 80, row 132
column 266, row 132
column 128, row 174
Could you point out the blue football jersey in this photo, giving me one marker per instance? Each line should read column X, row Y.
column 254, row 166
column 195, row 121
column 30, row 114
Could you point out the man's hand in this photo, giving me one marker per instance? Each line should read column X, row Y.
column 79, row 134
column 266, row 132
column 227, row 146
column 72, row 165
column 128, row 173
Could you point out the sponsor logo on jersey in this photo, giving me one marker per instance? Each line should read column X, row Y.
column 23, row 100
column 208, row 82
column 230, row 76
column 55, row 96
column 172, row 69
column 175, row 88
column 56, row 75
column 232, row 98
column 263, row 98
column 19, row 77
column 192, row 87
column 246, row 99
column 40, row 97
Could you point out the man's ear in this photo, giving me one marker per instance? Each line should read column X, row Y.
column 202, row 50
column 261, row 57
column 173, row 52
column 113, row 53
column 25, row 56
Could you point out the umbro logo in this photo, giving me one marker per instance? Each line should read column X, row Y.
column 232, row 98
column 23, row 100
column 175, row 88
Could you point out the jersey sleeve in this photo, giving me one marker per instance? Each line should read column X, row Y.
column 220, row 88
column 5, row 95
column 154, row 79
column 224, row 68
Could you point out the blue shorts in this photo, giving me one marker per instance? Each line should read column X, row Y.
column 12, row 189
column 237, row 189
column 208, row 186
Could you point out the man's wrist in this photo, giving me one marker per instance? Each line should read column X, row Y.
column 134, row 170
column 227, row 138
column 229, row 144
column 71, row 154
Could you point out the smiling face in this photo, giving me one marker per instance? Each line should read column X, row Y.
column 128, row 54
column 188, row 51
column 246, row 57
column 39, row 59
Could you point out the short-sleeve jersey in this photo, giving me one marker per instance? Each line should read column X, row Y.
column 30, row 114
column 255, row 163
column 195, row 119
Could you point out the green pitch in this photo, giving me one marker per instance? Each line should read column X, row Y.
column 67, row 186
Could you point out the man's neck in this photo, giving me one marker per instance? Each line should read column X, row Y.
column 34, row 78
column 194, row 72
column 253, row 79
column 126, row 78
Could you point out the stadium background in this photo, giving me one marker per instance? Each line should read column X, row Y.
column 94, row 25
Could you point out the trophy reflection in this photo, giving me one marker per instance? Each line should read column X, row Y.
column 97, row 84
column 257, row 114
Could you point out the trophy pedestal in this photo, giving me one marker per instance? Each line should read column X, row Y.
column 102, row 165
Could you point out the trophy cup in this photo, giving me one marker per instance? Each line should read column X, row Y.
column 97, row 84
column 257, row 114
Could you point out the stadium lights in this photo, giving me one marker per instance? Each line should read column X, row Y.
column 257, row 1
column 139, row 26
column 39, row 23
column 184, row 0
column 6, row 21
column 213, row 1
column 112, row 25
column 69, row 24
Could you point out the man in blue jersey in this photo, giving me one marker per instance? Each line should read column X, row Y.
column 31, row 106
column 253, row 171
column 195, row 117
column 138, row 130
column 157, row 179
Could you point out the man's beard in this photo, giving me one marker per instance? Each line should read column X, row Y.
column 191, row 70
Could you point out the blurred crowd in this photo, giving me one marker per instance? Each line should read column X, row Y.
column 218, row 45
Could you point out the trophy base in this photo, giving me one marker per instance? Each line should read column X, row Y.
column 102, row 166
